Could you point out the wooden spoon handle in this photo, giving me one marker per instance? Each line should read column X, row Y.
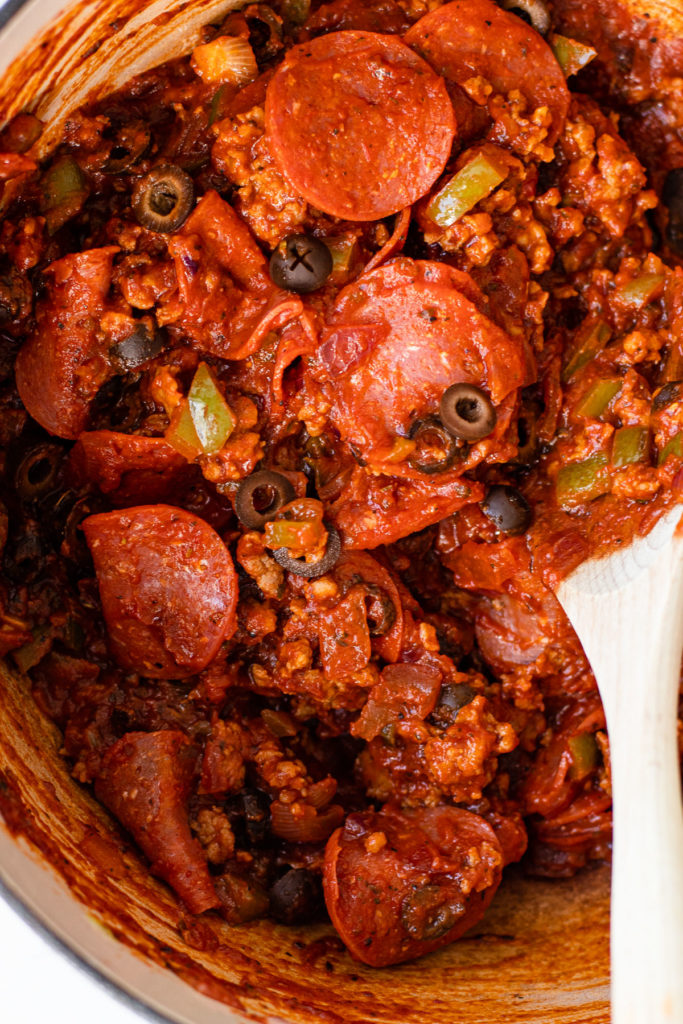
column 630, row 621
column 647, row 869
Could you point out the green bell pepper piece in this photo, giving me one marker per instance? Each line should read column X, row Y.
column 473, row 182
column 579, row 482
column 590, row 341
column 598, row 397
column 211, row 415
column 570, row 54
column 641, row 290
column 629, row 445
column 672, row 447
column 584, row 751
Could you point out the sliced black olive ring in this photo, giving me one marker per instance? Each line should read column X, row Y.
column 37, row 472
column 671, row 392
column 312, row 570
column 534, row 12
column 527, row 435
column 141, row 345
column 507, row 509
column 261, row 496
column 381, row 610
column 424, row 431
column 163, row 199
column 467, row 412
column 455, row 696
column 300, row 263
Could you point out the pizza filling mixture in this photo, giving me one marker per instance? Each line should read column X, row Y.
column 325, row 352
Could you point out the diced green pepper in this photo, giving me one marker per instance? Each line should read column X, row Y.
column 203, row 422
column 472, row 183
column 570, row 54
column 296, row 11
column 211, row 415
column 218, row 99
column 65, row 189
column 629, row 445
column 590, row 341
column 342, row 248
column 287, row 533
column 579, row 482
column 598, row 397
column 641, row 290
column 584, row 751
column 181, row 433
column 672, row 447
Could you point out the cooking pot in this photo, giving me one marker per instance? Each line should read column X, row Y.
column 541, row 952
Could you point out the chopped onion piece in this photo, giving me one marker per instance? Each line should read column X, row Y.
column 226, row 59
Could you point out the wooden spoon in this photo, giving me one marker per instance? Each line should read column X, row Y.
column 627, row 610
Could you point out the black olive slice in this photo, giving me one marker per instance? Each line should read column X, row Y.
column 38, row 470
column 436, row 449
column 312, row 570
column 140, row 346
column 527, row 434
column 265, row 31
column 670, row 392
column 296, row 897
column 507, row 509
column 163, row 199
column 260, row 497
column 455, row 696
column 467, row 412
column 381, row 610
column 23, row 555
column 300, row 263
column 534, row 12
column 672, row 198
column 132, row 141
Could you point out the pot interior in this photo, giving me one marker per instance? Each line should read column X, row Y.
column 541, row 952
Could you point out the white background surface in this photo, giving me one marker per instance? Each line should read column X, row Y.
column 38, row 985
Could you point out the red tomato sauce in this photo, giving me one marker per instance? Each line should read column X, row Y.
column 325, row 353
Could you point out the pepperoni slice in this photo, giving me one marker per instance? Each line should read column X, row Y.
column 466, row 38
column 399, row 884
column 62, row 366
column 397, row 338
column 360, row 124
column 130, row 468
column 168, row 588
column 145, row 780
column 358, row 566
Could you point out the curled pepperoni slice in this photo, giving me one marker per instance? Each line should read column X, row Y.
column 383, row 599
column 360, row 124
column 168, row 588
column 467, row 38
column 145, row 780
column 399, row 884
column 397, row 338
column 62, row 366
